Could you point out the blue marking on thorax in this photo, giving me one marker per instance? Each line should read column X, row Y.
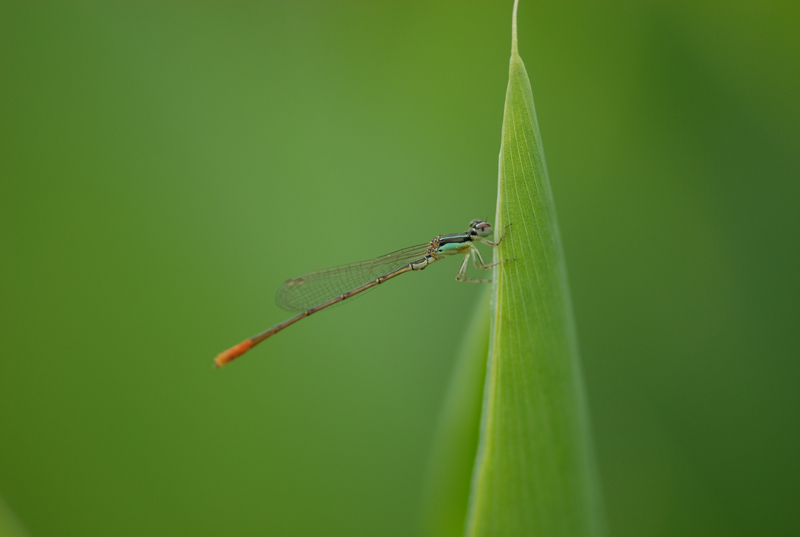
column 453, row 248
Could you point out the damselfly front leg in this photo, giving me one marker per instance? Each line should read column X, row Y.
column 478, row 262
column 490, row 243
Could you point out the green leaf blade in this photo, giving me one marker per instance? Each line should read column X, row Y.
column 534, row 472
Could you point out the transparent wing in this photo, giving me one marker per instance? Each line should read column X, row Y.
column 315, row 288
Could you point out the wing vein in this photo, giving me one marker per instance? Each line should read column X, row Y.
column 315, row 288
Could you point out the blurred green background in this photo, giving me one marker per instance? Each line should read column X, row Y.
column 165, row 166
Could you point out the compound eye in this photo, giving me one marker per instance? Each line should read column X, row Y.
column 483, row 229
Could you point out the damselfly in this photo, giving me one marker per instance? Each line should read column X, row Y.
column 315, row 291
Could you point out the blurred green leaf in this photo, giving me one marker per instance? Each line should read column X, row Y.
column 10, row 526
column 534, row 472
column 447, row 491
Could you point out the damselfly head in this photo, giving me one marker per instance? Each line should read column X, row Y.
column 480, row 228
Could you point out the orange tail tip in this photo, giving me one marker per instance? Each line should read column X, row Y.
column 234, row 352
